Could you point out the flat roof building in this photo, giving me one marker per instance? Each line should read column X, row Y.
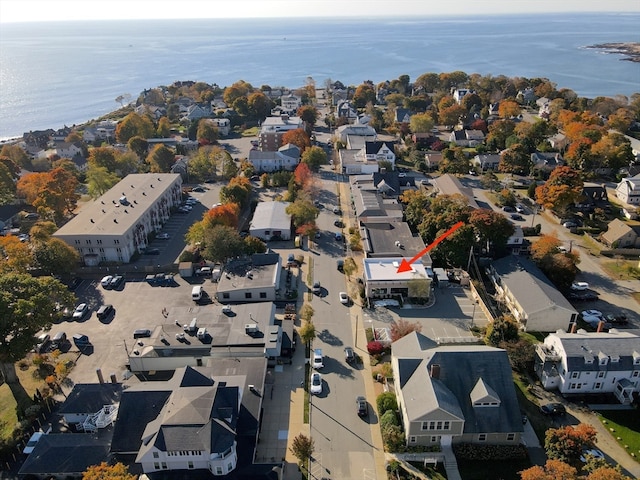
column 270, row 220
column 382, row 280
column 117, row 225
column 256, row 280
column 391, row 239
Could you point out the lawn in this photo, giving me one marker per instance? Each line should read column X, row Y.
column 8, row 418
column 626, row 428
column 622, row 269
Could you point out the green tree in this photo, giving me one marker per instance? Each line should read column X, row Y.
column 134, row 125
column 307, row 332
column 26, row 304
column 416, row 203
column 364, row 94
column 99, row 180
column 103, row 157
column 303, row 212
column 16, row 154
column 386, row 401
column 207, row 133
column 307, row 312
column 309, row 115
column 454, row 160
column 349, row 267
column 515, row 159
column 55, row 256
column 502, row 329
column 314, row 157
column 492, row 229
column 164, row 127
column 254, row 245
column 229, row 168
column 203, row 164
column 7, row 185
column 421, row 123
column 139, row 146
column 222, row 243
column 302, row 448
column 418, row 287
column 237, row 191
column 161, row 159
column 259, row 105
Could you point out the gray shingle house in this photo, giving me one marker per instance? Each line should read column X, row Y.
column 454, row 393
column 532, row 299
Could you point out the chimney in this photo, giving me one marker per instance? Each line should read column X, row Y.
column 600, row 326
column 574, row 327
column 435, row 371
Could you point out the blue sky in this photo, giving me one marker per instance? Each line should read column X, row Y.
column 60, row 10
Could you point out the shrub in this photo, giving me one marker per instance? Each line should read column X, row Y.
column 388, row 418
column 393, row 438
column 375, row 348
column 386, row 401
column 187, row 256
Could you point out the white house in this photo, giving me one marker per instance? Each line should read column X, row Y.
column 286, row 157
column 382, row 280
column 591, row 362
column 270, row 220
column 380, row 152
column 290, row 103
column 628, row 190
column 223, row 124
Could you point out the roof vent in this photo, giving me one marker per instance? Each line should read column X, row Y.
column 142, row 194
column 152, row 185
column 125, row 211
column 115, row 220
column 92, row 219
column 132, row 186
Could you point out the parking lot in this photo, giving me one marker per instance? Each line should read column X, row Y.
column 447, row 320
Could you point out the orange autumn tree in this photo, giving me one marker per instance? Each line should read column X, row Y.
column 225, row 215
column 552, row 470
column 567, row 443
column 561, row 268
column 563, row 187
column 53, row 191
column 105, row 471
column 297, row 137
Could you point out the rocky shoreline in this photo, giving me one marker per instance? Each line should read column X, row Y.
column 630, row 50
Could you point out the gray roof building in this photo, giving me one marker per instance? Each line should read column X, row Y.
column 251, row 281
column 391, row 239
column 531, row 297
column 448, row 184
column 465, row 392
column 116, row 226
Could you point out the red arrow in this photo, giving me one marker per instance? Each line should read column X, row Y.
column 406, row 266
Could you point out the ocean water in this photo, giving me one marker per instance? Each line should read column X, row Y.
column 55, row 74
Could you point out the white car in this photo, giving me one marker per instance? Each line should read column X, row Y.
column 163, row 236
column 579, row 286
column 80, row 311
column 591, row 451
column 318, row 361
column 316, row 383
column 106, row 281
column 591, row 313
column 344, row 298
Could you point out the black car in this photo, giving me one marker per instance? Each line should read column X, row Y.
column 362, row 406
column 151, row 251
column 553, row 409
column 104, row 311
column 338, row 223
column 349, row 354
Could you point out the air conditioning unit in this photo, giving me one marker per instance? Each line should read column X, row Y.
column 251, row 328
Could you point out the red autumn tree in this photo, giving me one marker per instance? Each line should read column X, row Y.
column 563, row 187
column 297, row 137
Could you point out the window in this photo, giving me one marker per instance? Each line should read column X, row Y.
column 78, row 242
column 101, row 250
column 412, row 439
column 156, row 465
column 247, row 294
column 267, row 232
column 190, row 464
column 263, row 294
column 635, row 374
column 482, row 437
column 447, row 425
column 435, row 439
column 575, row 374
column 229, row 466
column 511, row 436
column 117, row 242
column 597, row 386
column 225, row 295
column 88, row 242
column 219, row 471
column 156, row 455
column 99, row 242
column 164, row 466
column 601, row 374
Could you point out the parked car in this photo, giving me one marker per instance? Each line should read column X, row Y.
column 198, row 189
column 553, row 409
column 617, row 319
column 594, row 452
column 142, row 333
column 116, row 281
column 337, row 211
column 569, row 224
column 204, row 271
column 508, row 208
column 318, row 361
column 104, row 311
column 43, row 343
column 362, row 407
column 340, row 265
column 349, row 354
column 519, row 208
column 338, row 223
column 58, row 340
column 344, row 298
column 338, row 236
column 579, row 286
column 74, row 284
column 106, row 281
column 80, row 311
column 80, row 340
column 316, row 383
column 316, row 288
column 163, row 236
column 517, row 217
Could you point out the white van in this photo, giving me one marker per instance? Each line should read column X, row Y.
column 196, row 293
column 318, row 361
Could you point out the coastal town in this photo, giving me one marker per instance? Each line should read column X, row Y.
column 421, row 278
